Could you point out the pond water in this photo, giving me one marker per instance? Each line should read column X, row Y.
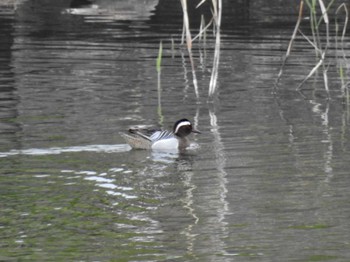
column 269, row 182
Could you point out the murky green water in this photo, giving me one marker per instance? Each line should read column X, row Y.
column 269, row 182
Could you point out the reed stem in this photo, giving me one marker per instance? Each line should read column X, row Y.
column 159, row 88
column 217, row 6
column 189, row 44
column 296, row 28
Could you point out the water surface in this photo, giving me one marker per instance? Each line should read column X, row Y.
column 269, row 182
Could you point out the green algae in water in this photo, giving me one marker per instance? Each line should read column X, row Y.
column 321, row 258
column 309, row 227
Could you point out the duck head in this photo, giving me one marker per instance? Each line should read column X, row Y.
column 183, row 128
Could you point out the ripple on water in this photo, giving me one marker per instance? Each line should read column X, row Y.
column 102, row 181
column 73, row 149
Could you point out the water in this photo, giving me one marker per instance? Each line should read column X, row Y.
column 270, row 181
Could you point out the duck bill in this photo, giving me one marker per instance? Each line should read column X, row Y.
column 196, row 131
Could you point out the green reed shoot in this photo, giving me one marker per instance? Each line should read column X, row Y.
column 159, row 67
column 159, row 58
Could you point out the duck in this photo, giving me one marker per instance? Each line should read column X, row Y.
column 164, row 140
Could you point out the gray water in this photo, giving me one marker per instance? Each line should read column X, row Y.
column 270, row 179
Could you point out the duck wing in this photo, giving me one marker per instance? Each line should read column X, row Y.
column 141, row 133
column 159, row 135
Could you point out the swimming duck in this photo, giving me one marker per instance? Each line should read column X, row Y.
column 161, row 140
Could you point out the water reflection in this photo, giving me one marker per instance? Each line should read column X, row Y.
column 222, row 205
column 8, row 94
column 73, row 149
column 109, row 10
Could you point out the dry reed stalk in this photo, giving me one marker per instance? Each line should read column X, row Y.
column 201, row 27
column 202, row 30
column 189, row 44
column 183, row 33
column 202, row 2
column 217, row 14
column 291, row 42
column 215, row 70
column 344, row 86
column 320, row 62
column 310, row 42
column 186, row 24
column 325, row 19
column 194, row 76
column 346, row 20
